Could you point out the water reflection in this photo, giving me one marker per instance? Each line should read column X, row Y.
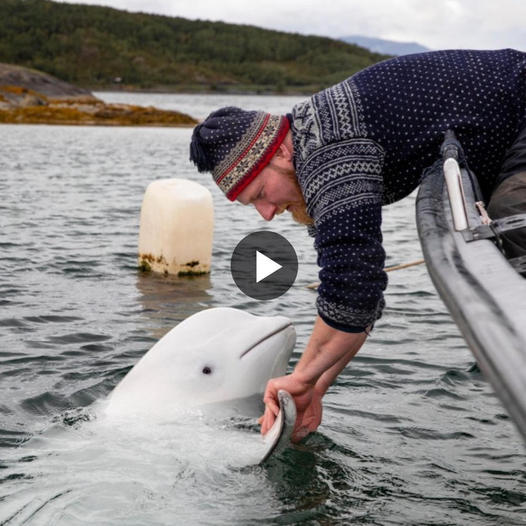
column 167, row 300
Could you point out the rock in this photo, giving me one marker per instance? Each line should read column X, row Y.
column 32, row 100
column 39, row 82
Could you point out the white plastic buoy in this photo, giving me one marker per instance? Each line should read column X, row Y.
column 177, row 223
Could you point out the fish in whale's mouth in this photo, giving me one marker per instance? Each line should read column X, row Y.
column 263, row 338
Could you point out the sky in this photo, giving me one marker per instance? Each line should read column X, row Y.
column 436, row 24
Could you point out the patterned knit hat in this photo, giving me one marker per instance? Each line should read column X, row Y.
column 235, row 145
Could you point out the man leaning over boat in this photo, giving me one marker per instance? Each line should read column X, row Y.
column 341, row 155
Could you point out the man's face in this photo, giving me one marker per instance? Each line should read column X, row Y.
column 273, row 191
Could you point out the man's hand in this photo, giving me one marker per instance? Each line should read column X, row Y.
column 302, row 392
column 308, row 406
column 311, row 418
column 327, row 353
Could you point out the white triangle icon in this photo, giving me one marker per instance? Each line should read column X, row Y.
column 265, row 266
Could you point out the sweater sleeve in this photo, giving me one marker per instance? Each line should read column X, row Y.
column 343, row 186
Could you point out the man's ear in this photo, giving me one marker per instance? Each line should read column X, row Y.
column 284, row 152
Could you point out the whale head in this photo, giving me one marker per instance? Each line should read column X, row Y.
column 217, row 357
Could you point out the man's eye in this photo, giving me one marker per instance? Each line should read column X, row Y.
column 257, row 198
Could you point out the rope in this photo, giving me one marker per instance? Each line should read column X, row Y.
column 316, row 284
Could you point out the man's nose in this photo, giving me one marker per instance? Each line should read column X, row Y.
column 266, row 210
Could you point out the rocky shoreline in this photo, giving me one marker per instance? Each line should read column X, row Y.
column 31, row 97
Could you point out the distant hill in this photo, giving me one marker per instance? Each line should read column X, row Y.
column 387, row 47
column 99, row 47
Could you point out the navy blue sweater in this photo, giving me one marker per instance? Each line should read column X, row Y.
column 364, row 143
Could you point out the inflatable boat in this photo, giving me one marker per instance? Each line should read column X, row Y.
column 482, row 289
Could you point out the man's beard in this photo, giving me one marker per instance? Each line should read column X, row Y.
column 298, row 209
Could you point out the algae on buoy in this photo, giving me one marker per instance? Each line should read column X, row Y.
column 177, row 223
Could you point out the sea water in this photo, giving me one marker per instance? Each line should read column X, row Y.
column 412, row 432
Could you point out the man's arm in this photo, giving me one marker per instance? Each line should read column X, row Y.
column 327, row 353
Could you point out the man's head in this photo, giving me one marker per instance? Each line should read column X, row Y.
column 276, row 189
column 250, row 155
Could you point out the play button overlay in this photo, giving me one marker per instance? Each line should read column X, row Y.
column 264, row 265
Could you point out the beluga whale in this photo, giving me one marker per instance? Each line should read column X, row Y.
column 217, row 361
column 154, row 438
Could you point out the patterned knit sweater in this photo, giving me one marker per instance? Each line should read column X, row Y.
column 364, row 143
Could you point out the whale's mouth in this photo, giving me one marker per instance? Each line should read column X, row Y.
column 265, row 337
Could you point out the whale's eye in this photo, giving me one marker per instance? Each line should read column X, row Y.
column 207, row 370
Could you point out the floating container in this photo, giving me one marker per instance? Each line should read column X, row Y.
column 177, row 223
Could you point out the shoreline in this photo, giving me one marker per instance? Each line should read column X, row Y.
column 22, row 105
column 309, row 90
column 92, row 124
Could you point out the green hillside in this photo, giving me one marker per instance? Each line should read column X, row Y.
column 92, row 46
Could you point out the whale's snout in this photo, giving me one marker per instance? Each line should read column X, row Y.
column 267, row 354
column 284, row 325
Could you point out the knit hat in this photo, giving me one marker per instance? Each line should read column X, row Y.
column 235, row 145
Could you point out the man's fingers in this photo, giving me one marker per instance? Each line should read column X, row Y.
column 271, row 405
column 266, row 421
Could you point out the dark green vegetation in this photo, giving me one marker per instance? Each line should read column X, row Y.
column 92, row 46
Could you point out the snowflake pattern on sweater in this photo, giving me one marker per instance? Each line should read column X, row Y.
column 365, row 142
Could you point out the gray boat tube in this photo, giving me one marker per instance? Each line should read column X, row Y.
column 484, row 294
